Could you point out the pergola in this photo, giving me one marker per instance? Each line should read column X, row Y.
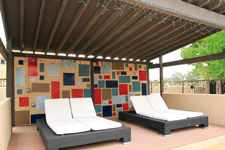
column 136, row 30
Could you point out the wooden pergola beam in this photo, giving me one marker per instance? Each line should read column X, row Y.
column 87, row 27
column 3, row 50
column 21, row 23
column 213, row 5
column 212, row 57
column 202, row 3
column 203, row 16
column 72, row 25
column 114, row 15
column 57, row 21
column 43, row 2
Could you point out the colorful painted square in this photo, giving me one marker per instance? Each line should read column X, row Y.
column 55, row 87
column 118, row 99
column 68, row 64
column 134, row 77
column 98, row 96
column 68, row 79
column 126, row 65
column 123, row 89
column 40, row 102
column 106, row 76
column 42, row 77
column 83, row 70
column 32, row 79
column 145, row 68
column 95, row 85
column 142, row 75
column 86, row 80
column 105, row 102
column 95, row 79
column 110, row 102
column 100, row 77
column 111, row 84
column 19, row 91
column 113, row 75
column 125, row 107
column 101, row 84
column 139, row 66
column 20, row 62
column 107, row 111
column 106, row 94
column 124, row 79
column 114, row 92
column 118, row 111
column 66, row 94
column 42, row 67
column 123, row 73
column 32, row 67
column 77, row 93
column 114, row 113
column 78, row 81
column 87, row 92
column 130, row 69
column 98, row 108
column 144, row 89
column 136, row 86
column 35, row 117
column 52, row 70
column 119, row 105
column 126, row 98
column 24, row 101
column 106, row 67
column 96, row 63
column 118, row 72
column 134, row 73
column 20, row 76
column 97, row 70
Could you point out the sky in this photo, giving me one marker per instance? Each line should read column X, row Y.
column 154, row 73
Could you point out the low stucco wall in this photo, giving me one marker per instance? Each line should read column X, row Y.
column 5, row 124
column 2, row 93
column 210, row 104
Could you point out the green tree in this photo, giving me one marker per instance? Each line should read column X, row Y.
column 177, row 76
column 194, row 74
column 210, row 45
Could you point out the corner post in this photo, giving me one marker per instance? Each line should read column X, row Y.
column 161, row 75
column 92, row 81
column 148, row 78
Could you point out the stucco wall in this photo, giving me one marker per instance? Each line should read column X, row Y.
column 211, row 105
column 5, row 125
column 2, row 93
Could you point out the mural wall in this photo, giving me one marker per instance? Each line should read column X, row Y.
column 37, row 79
column 114, row 83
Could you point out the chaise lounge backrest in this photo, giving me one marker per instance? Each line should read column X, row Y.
column 157, row 102
column 57, row 109
column 82, row 107
column 141, row 104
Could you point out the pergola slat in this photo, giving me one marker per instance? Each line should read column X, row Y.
column 3, row 50
column 213, row 5
column 21, row 23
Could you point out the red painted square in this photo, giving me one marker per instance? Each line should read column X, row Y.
column 106, row 76
column 118, row 72
column 24, row 101
column 110, row 102
column 98, row 96
column 77, row 93
column 55, row 86
column 96, row 63
column 142, row 75
column 114, row 113
column 32, row 67
column 130, row 68
column 123, row 89
column 125, row 106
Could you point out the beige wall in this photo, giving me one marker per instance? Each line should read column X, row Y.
column 211, row 105
column 5, row 125
column 178, row 89
column 2, row 93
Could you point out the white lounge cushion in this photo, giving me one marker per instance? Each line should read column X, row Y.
column 188, row 114
column 141, row 104
column 82, row 107
column 57, row 109
column 99, row 123
column 67, row 126
column 163, row 115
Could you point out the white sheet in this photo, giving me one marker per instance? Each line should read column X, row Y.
column 141, row 104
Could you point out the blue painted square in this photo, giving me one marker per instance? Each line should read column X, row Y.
column 97, row 70
column 140, row 66
column 119, row 105
column 111, row 84
column 136, row 86
column 107, row 111
column 126, row 98
column 123, row 73
column 98, row 108
column 19, row 91
column 86, row 80
column 105, row 102
column 134, row 73
column 134, row 77
column 145, row 68
column 68, row 79
column 113, row 75
column 100, row 77
column 35, row 117
column 20, row 62
column 114, row 92
column 87, row 92
column 101, row 84
column 124, row 79
column 42, row 67
column 144, row 89
column 126, row 65
column 95, row 85
column 83, row 70
column 42, row 77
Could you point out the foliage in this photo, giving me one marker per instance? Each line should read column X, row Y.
column 177, row 76
column 210, row 45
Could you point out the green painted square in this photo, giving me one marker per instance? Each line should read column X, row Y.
column 136, row 86
column 100, row 77
column 42, row 67
column 124, row 79
column 126, row 98
column 19, row 91
column 114, row 92
column 87, row 92
column 83, row 70
column 98, row 108
column 126, row 65
column 139, row 66
column 101, row 84
column 113, row 75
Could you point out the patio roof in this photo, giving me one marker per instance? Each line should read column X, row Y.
column 115, row 30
